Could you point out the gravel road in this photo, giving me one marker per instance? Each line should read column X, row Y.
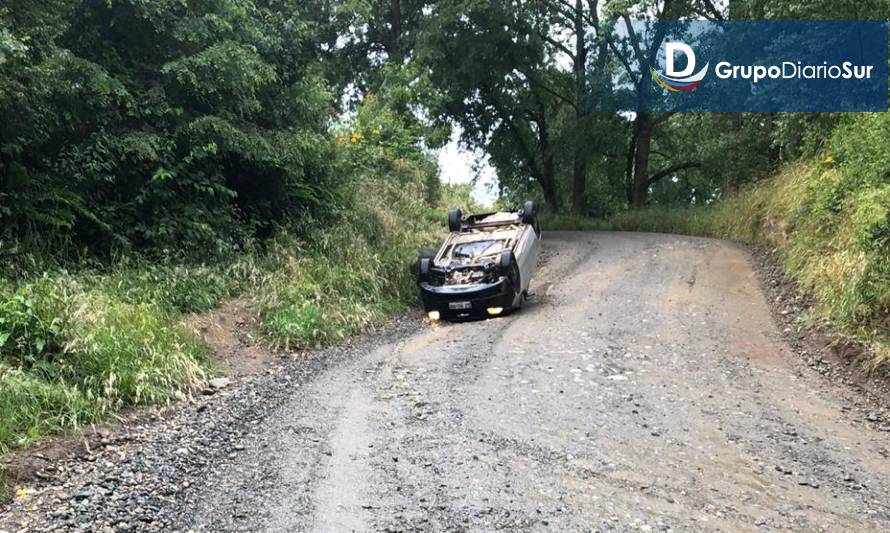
column 644, row 387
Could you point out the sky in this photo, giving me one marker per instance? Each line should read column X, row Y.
column 459, row 165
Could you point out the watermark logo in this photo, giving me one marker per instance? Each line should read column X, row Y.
column 767, row 66
column 675, row 80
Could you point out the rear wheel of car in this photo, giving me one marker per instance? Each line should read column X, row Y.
column 454, row 219
column 529, row 213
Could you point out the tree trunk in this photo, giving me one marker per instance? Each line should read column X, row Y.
column 547, row 179
column 629, row 168
column 549, row 188
column 395, row 22
column 579, row 178
column 644, row 127
column 730, row 180
column 548, row 183
column 579, row 174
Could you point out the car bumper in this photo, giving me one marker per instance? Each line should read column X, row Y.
column 480, row 298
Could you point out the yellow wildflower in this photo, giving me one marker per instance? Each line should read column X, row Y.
column 356, row 137
column 21, row 492
column 376, row 132
column 828, row 160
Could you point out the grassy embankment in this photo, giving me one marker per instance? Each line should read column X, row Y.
column 830, row 217
column 80, row 344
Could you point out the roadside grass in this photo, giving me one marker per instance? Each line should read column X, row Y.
column 72, row 353
column 830, row 217
column 75, row 347
column 349, row 276
column 82, row 337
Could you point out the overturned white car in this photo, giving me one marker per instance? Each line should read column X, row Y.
column 484, row 267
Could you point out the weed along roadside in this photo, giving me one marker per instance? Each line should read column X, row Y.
column 81, row 347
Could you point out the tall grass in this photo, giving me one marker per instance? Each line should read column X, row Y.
column 75, row 347
column 71, row 353
column 350, row 275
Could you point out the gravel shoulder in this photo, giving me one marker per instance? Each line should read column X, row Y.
column 644, row 387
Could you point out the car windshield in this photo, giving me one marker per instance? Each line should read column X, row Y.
column 477, row 249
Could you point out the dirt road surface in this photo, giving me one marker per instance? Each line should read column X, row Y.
column 644, row 387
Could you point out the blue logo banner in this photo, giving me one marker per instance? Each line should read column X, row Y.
column 758, row 66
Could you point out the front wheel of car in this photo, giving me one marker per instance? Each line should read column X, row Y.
column 427, row 252
column 508, row 265
column 423, row 269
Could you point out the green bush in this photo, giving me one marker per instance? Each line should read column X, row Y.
column 78, row 346
column 351, row 270
column 350, row 275
column 178, row 288
column 125, row 354
column 33, row 319
column 171, row 127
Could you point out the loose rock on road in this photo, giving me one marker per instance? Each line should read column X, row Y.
column 644, row 387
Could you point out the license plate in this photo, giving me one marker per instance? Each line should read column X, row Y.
column 457, row 306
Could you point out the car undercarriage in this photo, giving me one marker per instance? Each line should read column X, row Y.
column 484, row 265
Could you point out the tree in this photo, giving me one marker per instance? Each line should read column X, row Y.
column 145, row 124
column 631, row 50
column 565, row 28
column 505, row 70
column 367, row 40
column 479, row 56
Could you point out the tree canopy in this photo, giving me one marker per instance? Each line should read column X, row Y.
column 146, row 124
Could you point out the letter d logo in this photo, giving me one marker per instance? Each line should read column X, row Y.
column 674, row 80
column 671, row 50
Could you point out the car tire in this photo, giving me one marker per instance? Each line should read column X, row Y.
column 430, row 253
column 508, row 265
column 454, row 219
column 423, row 269
column 529, row 213
column 506, row 261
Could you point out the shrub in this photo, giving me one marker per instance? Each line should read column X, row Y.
column 177, row 288
column 71, row 353
column 33, row 319
column 126, row 354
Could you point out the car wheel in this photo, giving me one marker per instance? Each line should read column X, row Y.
column 423, row 269
column 529, row 213
column 454, row 219
column 508, row 265
column 430, row 253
